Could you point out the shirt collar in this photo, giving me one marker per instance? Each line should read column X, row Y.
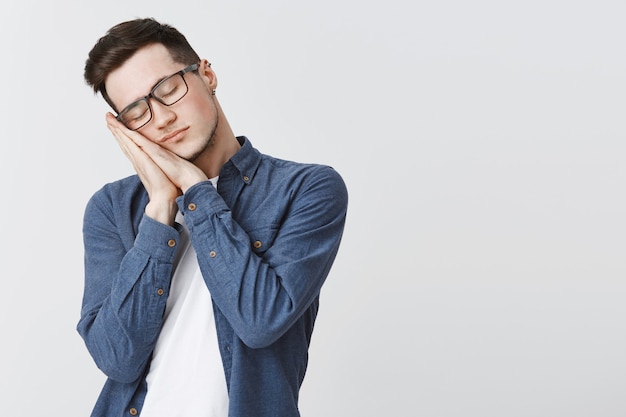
column 244, row 163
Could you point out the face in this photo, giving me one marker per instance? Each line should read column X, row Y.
column 187, row 127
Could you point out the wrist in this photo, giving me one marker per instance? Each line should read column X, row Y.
column 163, row 212
column 191, row 182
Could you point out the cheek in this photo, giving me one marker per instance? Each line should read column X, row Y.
column 201, row 106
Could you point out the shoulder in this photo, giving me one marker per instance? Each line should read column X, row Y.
column 318, row 181
column 119, row 190
column 126, row 195
column 278, row 172
column 310, row 170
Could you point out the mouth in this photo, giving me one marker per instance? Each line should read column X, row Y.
column 174, row 136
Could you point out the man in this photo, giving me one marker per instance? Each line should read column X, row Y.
column 203, row 271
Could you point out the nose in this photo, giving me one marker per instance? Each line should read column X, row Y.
column 162, row 115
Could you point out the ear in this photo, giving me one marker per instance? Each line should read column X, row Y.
column 208, row 75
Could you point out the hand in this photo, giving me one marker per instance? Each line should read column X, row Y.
column 164, row 174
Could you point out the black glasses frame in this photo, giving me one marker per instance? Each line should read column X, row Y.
column 147, row 98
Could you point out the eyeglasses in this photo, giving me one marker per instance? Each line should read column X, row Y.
column 168, row 91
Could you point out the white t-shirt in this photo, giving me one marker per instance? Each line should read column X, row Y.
column 186, row 376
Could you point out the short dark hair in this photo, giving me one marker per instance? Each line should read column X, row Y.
column 123, row 40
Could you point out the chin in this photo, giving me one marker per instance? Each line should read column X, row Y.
column 193, row 155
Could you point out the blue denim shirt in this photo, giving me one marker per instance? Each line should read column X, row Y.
column 265, row 239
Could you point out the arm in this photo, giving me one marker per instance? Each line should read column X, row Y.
column 122, row 306
column 263, row 294
column 128, row 269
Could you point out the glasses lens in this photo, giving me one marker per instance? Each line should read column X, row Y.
column 171, row 89
column 168, row 92
column 136, row 115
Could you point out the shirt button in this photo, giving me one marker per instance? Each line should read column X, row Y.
column 160, row 291
column 192, row 206
column 133, row 411
column 257, row 244
column 246, row 178
column 212, row 254
column 171, row 243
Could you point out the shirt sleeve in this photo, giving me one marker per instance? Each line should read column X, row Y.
column 263, row 293
column 126, row 288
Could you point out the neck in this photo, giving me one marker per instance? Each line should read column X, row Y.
column 223, row 146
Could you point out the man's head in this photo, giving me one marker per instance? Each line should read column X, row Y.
column 123, row 40
column 154, row 80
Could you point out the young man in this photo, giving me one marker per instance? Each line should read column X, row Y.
column 203, row 271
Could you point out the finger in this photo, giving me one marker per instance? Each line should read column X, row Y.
column 177, row 169
column 140, row 160
column 126, row 139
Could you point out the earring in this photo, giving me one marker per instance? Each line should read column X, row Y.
column 213, row 92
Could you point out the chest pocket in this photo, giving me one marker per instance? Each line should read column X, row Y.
column 262, row 239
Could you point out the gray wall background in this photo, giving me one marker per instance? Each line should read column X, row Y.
column 482, row 270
